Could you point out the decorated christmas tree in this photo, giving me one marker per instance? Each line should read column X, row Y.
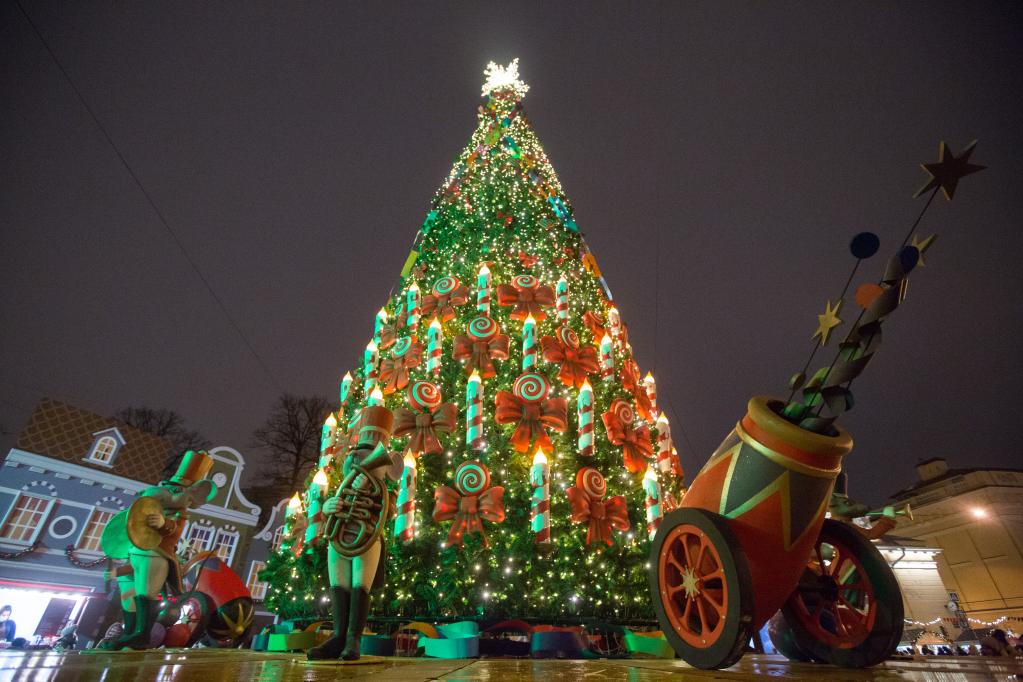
column 537, row 460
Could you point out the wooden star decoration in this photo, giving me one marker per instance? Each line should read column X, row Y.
column 949, row 169
column 827, row 321
column 921, row 245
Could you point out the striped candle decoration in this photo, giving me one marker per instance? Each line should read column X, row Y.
column 314, row 514
column 607, row 359
column 370, row 368
column 433, row 350
column 651, row 393
column 474, row 412
column 346, row 388
column 528, row 344
column 483, row 291
column 663, row 445
column 412, row 306
column 376, row 398
column 328, row 435
column 614, row 323
column 378, row 325
column 405, row 521
column 562, row 304
column 654, row 511
column 584, row 411
column 540, row 502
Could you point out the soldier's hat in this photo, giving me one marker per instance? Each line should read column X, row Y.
column 193, row 467
column 375, row 425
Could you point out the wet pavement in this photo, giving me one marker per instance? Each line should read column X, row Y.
column 213, row 665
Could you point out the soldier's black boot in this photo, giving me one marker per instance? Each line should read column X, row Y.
column 356, row 623
column 146, row 611
column 332, row 648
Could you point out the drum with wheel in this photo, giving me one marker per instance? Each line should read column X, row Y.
column 725, row 562
column 704, row 595
column 847, row 607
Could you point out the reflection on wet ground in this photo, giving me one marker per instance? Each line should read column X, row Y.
column 212, row 665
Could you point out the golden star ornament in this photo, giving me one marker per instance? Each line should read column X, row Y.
column 827, row 321
column 949, row 169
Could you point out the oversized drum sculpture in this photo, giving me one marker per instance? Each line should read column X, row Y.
column 750, row 537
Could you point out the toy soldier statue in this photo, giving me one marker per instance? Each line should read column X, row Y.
column 356, row 518
column 148, row 533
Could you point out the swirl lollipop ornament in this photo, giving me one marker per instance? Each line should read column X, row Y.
column 471, row 502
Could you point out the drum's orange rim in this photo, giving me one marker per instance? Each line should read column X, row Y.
column 693, row 589
column 840, row 607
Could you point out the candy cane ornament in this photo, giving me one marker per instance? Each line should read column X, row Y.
column 540, row 502
column 474, row 412
column 405, row 521
column 584, row 412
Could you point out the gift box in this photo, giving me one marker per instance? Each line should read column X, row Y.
column 651, row 644
column 300, row 640
column 454, row 640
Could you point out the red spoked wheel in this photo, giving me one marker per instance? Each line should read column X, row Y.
column 191, row 610
column 847, row 608
column 701, row 587
column 780, row 632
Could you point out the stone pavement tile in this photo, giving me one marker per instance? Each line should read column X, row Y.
column 213, row 665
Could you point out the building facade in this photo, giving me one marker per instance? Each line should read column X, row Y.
column 70, row 472
column 975, row 517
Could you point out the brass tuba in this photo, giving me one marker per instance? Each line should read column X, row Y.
column 363, row 509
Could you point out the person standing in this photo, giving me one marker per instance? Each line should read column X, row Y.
column 7, row 626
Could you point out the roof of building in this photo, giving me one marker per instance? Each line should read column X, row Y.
column 66, row 433
column 950, row 474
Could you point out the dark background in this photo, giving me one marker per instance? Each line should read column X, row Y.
column 719, row 158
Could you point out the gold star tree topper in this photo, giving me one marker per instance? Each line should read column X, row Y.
column 949, row 169
column 500, row 78
column 827, row 321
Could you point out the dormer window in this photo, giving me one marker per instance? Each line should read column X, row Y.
column 104, row 447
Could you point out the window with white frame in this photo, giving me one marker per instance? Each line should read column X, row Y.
column 25, row 519
column 257, row 587
column 198, row 538
column 103, row 450
column 225, row 545
column 278, row 539
column 89, row 542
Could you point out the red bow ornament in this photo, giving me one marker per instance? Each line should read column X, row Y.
column 481, row 346
column 588, row 506
column 394, row 371
column 630, row 375
column 389, row 333
column 621, row 430
column 527, row 260
column 595, row 324
column 532, row 413
column 424, row 425
column 574, row 362
column 447, row 293
column 471, row 504
column 527, row 296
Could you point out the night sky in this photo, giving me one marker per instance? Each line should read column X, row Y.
column 719, row 157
